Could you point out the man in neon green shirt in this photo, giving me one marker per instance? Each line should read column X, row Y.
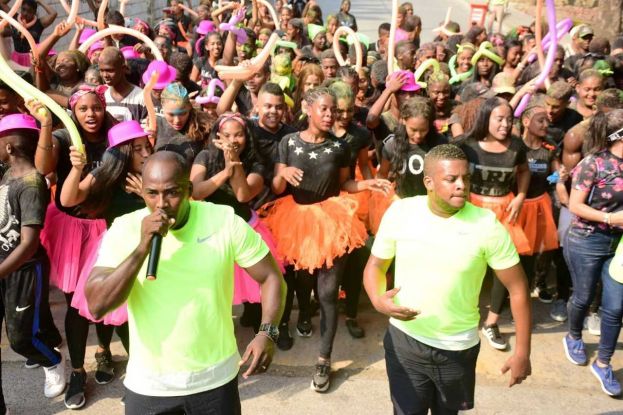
column 184, row 353
column 442, row 245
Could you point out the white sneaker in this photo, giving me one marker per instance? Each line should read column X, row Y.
column 55, row 380
column 594, row 324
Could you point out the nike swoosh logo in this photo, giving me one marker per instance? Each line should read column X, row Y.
column 202, row 240
column 18, row 308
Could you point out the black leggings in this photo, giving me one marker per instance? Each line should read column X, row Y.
column 77, row 331
column 328, row 282
column 499, row 293
column 352, row 280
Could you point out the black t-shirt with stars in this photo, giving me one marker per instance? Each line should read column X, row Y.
column 321, row 164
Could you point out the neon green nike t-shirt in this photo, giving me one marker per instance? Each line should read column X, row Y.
column 181, row 328
column 440, row 265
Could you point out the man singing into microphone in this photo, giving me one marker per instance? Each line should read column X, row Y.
column 184, row 355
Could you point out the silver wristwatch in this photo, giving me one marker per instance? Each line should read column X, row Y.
column 270, row 330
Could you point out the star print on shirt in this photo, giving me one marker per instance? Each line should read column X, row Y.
column 291, row 142
column 298, row 151
column 336, row 145
column 328, row 150
column 313, row 155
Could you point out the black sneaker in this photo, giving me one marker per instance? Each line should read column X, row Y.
column 545, row 296
column 493, row 336
column 285, row 340
column 31, row 364
column 304, row 328
column 105, row 373
column 353, row 328
column 74, row 397
column 321, row 380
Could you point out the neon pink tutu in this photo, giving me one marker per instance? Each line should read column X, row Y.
column 69, row 242
column 21, row 58
column 79, row 300
column 246, row 289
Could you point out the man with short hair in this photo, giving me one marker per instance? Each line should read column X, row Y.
column 328, row 64
column 124, row 101
column 561, row 118
column 442, row 246
column 184, row 354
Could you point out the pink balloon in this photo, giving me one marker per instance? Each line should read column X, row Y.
column 562, row 28
column 549, row 60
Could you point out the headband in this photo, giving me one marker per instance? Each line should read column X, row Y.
column 232, row 116
column 485, row 50
column 86, row 89
column 463, row 46
column 138, row 23
column 617, row 135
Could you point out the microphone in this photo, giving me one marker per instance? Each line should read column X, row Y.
column 154, row 256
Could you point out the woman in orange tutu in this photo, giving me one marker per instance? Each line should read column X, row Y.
column 497, row 160
column 313, row 226
column 536, row 217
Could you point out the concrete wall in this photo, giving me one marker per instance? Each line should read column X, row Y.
column 605, row 16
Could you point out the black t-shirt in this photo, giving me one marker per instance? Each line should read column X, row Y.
column 410, row 181
column 23, row 202
column 321, row 164
column 94, row 152
column 539, row 162
column 268, row 143
column 244, row 102
column 268, row 148
column 225, row 195
column 121, row 202
column 20, row 44
column 493, row 173
column 557, row 130
column 206, row 70
column 357, row 138
column 170, row 139
column 387, row 126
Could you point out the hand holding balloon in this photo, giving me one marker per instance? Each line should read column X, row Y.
column 336, row 46
column 549, row 61
column 113, row 30
column 231, row 26
column 254, row 65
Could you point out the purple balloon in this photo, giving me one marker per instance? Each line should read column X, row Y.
column 549, row 60
column 562, row 28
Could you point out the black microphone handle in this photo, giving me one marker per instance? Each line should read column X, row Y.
column 154, row 256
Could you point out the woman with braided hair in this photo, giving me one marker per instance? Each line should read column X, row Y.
column 314, row 226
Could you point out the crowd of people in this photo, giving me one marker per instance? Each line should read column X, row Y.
column 315, row 165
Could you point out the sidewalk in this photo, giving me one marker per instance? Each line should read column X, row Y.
column 359, row 380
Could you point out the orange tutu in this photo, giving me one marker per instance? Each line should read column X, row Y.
column 537, row 221
column 378, row 205
column 498, row 205
column 312, row 236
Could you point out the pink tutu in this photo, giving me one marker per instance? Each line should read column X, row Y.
column 69, row 242
column 21, row 58
column 79, row 301
column 246, row 289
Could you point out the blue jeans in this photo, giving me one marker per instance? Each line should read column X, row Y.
column 588, row 256
column 611, row 314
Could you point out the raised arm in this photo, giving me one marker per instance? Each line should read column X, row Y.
column 393, row 85
column 74, row 190
column 108, row 288
column 51, row 15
